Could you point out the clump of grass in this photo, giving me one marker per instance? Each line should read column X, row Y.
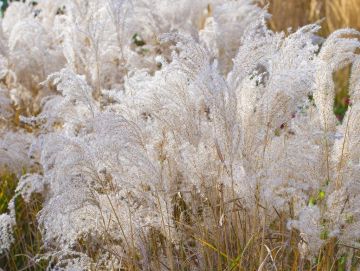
column 224, row 235
column 204, row 171
column 28, row 242
column 335, row 14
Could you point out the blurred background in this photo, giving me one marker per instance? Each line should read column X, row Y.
column 294, row 13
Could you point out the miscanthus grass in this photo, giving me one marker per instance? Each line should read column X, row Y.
column 176, row 135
